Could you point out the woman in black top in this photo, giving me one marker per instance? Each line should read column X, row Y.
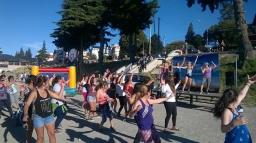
column 41, row 97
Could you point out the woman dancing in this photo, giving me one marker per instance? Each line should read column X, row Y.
column 41, row 98
column 232, row 123
column 103, row 99
column 143, row 110
column 207, row 76
column 169, row 90
column 188, row 78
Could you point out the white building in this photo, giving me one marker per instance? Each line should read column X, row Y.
column 95, row 51
column 115, row 50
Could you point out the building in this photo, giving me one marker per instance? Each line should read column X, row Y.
column 9, row 63
column 115, row 49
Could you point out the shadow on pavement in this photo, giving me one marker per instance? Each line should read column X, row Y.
column 17, row 132
column 195, row 107
column 94, row 128
column 170, row 137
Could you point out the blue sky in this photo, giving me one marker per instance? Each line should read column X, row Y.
column 28, row 23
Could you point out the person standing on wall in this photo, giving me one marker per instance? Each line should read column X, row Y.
column 207, row 76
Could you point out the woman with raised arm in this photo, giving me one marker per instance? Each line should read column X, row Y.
column 58, row 107
column 232, row 122
column 169, row 90
column 41, row 98
column 207, row 76
column 143, row 110
column 188, row 77
column 103, row 99
column 177, row 73
column 121, row 95
column 91, row 97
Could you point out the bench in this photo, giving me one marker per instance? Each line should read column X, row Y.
column 196, row 94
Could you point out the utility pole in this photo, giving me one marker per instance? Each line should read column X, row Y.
column 149, row 50
column 158, row 44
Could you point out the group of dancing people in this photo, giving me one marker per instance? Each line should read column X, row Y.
column 44, row 98
column 135, row 99
column 41, row 99
column 168, row 68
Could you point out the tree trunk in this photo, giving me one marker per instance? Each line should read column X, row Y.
column 101, row 56
column 246, row 51
column 132, row 49
column 80, row 55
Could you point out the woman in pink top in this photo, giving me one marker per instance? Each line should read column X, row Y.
column 103, row 100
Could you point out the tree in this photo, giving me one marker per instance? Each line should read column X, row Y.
column 22, row 53
column 42, row 54
column 1, row 52
column 79, row 26
column 198, row 42
column 190, row 34
column 155, row 40
column 131, row 16
column 226, row 29
column 176, row 45
column 246, row 50
column 142, row 44
column 28, row 54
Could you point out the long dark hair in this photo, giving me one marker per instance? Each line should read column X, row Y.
column 170, row 82
column 40, row 81
column 229, row 95
column 101, row 85
column 31, row 79
column 56, row 79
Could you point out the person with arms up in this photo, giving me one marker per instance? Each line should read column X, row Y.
column 226, row 109
column 188, row 77
column 207, row 76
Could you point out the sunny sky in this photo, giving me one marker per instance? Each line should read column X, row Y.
column 28, row 23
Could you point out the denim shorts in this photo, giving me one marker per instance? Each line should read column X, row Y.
column 39, row 122
column 91, row 98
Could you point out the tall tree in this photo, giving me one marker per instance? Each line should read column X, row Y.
column 42, row 54
column 246, row 50
column 198, row 42
column 142, row 44
column 1, row 52
column 131, row 16
column 190, row 34
column 28, row 54
column 79, row 26
column 22, row 53
column 155, row 40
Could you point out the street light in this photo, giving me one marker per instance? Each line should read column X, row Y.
column 186, row 48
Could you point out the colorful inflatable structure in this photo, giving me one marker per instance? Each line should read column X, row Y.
column 67, row 73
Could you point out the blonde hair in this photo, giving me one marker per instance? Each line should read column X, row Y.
column 142, row 91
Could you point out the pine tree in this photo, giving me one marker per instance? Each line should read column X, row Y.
column 42, row 54
column 190, row 34
column 28, row 54
column 22, row 53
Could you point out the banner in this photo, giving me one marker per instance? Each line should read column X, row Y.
column 197, row 75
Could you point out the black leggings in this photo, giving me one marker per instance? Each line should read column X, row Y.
column 123, row 104
column 171, row 110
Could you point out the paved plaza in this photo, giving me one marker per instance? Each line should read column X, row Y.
column 197, row 124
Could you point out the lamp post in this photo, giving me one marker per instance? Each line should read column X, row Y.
column 186, row 48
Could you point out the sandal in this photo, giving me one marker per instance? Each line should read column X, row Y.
column 175, row 129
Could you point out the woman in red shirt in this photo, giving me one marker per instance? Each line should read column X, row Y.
column 103, row 99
